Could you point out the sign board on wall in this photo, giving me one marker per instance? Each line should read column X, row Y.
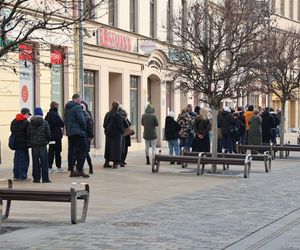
column 26, row 71
column 56, row 59
column 113, row 40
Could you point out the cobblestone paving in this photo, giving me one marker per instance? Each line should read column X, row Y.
column 212, row 219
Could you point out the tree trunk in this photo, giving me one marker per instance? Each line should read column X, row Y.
column 282, row 125
column 214, row 137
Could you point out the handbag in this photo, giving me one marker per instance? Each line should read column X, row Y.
column 128, row 131
column 12, row 144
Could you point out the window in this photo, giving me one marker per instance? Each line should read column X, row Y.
column 291, row 9
column 153, row 18
column 169, row 21
column 89, row 90
column 282, row 6
column 112, row 12
column 89, row 9
column 57, row 77
column 133, row 16
column 134, row 92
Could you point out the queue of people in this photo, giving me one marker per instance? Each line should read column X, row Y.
column 190, row 131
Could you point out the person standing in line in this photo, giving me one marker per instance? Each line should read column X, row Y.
column 76, row 131
column 193, row 116
column 114, row 129
column 227, row 125
column 172, row 129
column 255, row 130
column 39, row 136
column 202, row 126
column 127, row 137
column 185, row 120
column 19, row 127
column 248, row 114
column 89, row 134
column 268, row 123
column 150, row 122
column 56, row 125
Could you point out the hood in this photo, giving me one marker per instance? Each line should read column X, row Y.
column 71, row 104
column 36, row 121
column 225, row 113
column 20, row 117
column 53, row 109
column 150, row 109
column 265, row 113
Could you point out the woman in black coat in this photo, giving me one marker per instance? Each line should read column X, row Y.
column 172, row 129
column 268, row 123
column 89, row 134
column 127, row 138
column 202, row 126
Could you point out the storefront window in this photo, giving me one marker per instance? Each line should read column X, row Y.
column 57, row 79
column 134, row 90
column 89, row 90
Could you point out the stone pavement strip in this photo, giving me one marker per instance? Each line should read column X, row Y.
column 216, row 218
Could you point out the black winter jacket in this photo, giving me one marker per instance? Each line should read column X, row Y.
column 56, row 124
column 19, row 127
column 226, row 122
column 172, row 129
column 74, row 119
column 39, row 132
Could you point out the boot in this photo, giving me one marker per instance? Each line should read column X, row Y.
column 148, row 160
column 115, row 166
column 73, row 173
column 82, row 174
column 91, row 171
column 106, row 165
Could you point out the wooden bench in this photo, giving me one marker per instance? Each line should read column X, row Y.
column 266, row 158
column 264, row 148
column 201, row 159
column 11, row 194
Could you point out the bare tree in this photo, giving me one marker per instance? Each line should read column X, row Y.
column 36, row 20
column 279, row 68
column 221, row 42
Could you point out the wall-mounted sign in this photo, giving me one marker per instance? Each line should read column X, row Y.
column 56, row 59
column 146, row 46
column 26, row 68
column 113, row 40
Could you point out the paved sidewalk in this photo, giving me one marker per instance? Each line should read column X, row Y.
column 132, row 208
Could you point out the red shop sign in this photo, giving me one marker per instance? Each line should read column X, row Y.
column 113, row 40
column 26, row 52
column 56, row 57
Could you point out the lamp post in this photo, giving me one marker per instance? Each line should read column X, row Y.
column 80, row 48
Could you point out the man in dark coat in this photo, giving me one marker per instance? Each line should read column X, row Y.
column 268, row 123
column 56, row 124
column 19, row 126
column 227, row 125
column 113, row 129
column 39, row 136
column 76, row 131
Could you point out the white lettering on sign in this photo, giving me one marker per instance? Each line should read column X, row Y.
column 113, row 40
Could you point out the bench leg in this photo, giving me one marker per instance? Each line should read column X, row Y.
column 153, row 166
column 1, row 206
column 202, row 170
column 246, row 170
column 73, row 207
column 8, row 203
column 270, row 164
column 266, row 165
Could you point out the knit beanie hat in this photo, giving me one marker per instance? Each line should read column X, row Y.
column 38, row 111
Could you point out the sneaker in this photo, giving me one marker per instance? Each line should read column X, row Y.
column 51, row 170
column 60, row 170
column 47, row 181
column 82, row 174
column 25, row 180
column 73, row 174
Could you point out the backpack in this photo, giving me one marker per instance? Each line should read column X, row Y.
column 12, row 144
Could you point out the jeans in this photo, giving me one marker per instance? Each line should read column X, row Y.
column 152, row 144
column 174, row 146
column 54, row 152
column 21, row 164
column 227, row 143
column 184, row 143
column 40, row 163
column 77, row 150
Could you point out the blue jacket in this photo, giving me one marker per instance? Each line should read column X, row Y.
column 74, row 119
column 55, row 123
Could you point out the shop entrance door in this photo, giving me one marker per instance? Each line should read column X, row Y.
column 115, row 87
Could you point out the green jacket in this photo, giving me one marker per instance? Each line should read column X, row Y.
column 39, row 132
column 149, row 121
column 254, row 131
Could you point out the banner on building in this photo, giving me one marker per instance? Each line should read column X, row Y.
column 56, row 59
column 27, row 76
